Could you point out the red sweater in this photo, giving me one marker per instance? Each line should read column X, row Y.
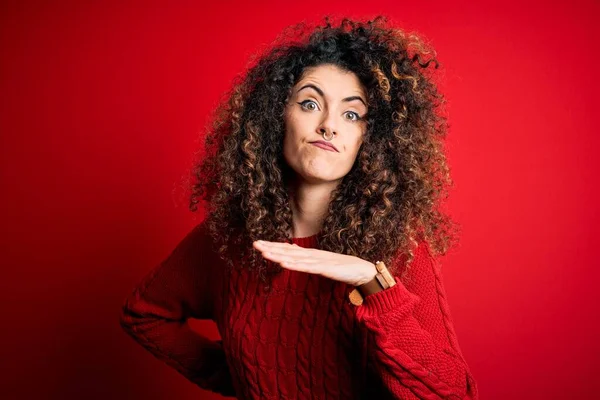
column 303, row 339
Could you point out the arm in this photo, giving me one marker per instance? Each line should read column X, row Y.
column 155, row 314
column 411, row 344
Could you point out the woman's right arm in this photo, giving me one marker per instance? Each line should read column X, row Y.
column 155, row 314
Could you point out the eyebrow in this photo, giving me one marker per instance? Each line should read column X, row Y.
column 347, row 99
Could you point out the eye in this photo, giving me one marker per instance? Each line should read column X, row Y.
column 305, row 102
column 356, row 116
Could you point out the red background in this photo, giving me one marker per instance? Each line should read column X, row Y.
column 102, row 107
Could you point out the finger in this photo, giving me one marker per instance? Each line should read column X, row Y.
column 279, row 257
column 282, row 256
column 277, row 245
column 301, row 266
column 292, row 257
column 296, row 251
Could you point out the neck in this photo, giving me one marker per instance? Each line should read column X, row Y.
column 309, row 203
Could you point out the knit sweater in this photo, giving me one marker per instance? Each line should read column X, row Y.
column 302, row 338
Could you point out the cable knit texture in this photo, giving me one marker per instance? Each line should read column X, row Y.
column 302, row 338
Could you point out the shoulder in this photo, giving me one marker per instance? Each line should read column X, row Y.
column 423, row 270
column 197, row 251
column 197, row 240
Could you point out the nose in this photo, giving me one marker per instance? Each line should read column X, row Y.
column 326, row 132
column 327, row 127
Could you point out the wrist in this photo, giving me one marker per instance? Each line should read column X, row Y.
column 382, row 280
column 369, row 275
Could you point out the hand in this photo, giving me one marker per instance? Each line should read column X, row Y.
column 340, row 267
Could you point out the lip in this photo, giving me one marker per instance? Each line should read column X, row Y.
column 324, row 145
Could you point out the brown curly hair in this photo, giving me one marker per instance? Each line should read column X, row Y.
column 386, row 204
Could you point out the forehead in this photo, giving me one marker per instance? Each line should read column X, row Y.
column 331, row 79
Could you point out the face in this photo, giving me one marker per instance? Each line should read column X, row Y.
column 326, row 100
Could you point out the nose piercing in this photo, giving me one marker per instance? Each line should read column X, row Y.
column 325, row 136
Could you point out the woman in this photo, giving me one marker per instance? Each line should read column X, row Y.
column 317, row 260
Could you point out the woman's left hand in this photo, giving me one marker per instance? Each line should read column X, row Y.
column 340, row 267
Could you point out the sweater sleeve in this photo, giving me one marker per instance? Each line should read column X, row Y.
column 411, row 345
column 155, row 314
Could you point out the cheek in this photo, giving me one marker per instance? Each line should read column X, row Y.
column 293, row 131
column 290, row 133
column 355, row 145
column 292, row 120
column 354, row 148
column 290, row 142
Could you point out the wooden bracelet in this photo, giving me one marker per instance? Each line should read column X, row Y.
column 383, row 280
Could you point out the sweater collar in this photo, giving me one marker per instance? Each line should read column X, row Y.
column 307, row 241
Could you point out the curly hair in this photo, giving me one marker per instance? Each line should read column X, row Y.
column 390, row 199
